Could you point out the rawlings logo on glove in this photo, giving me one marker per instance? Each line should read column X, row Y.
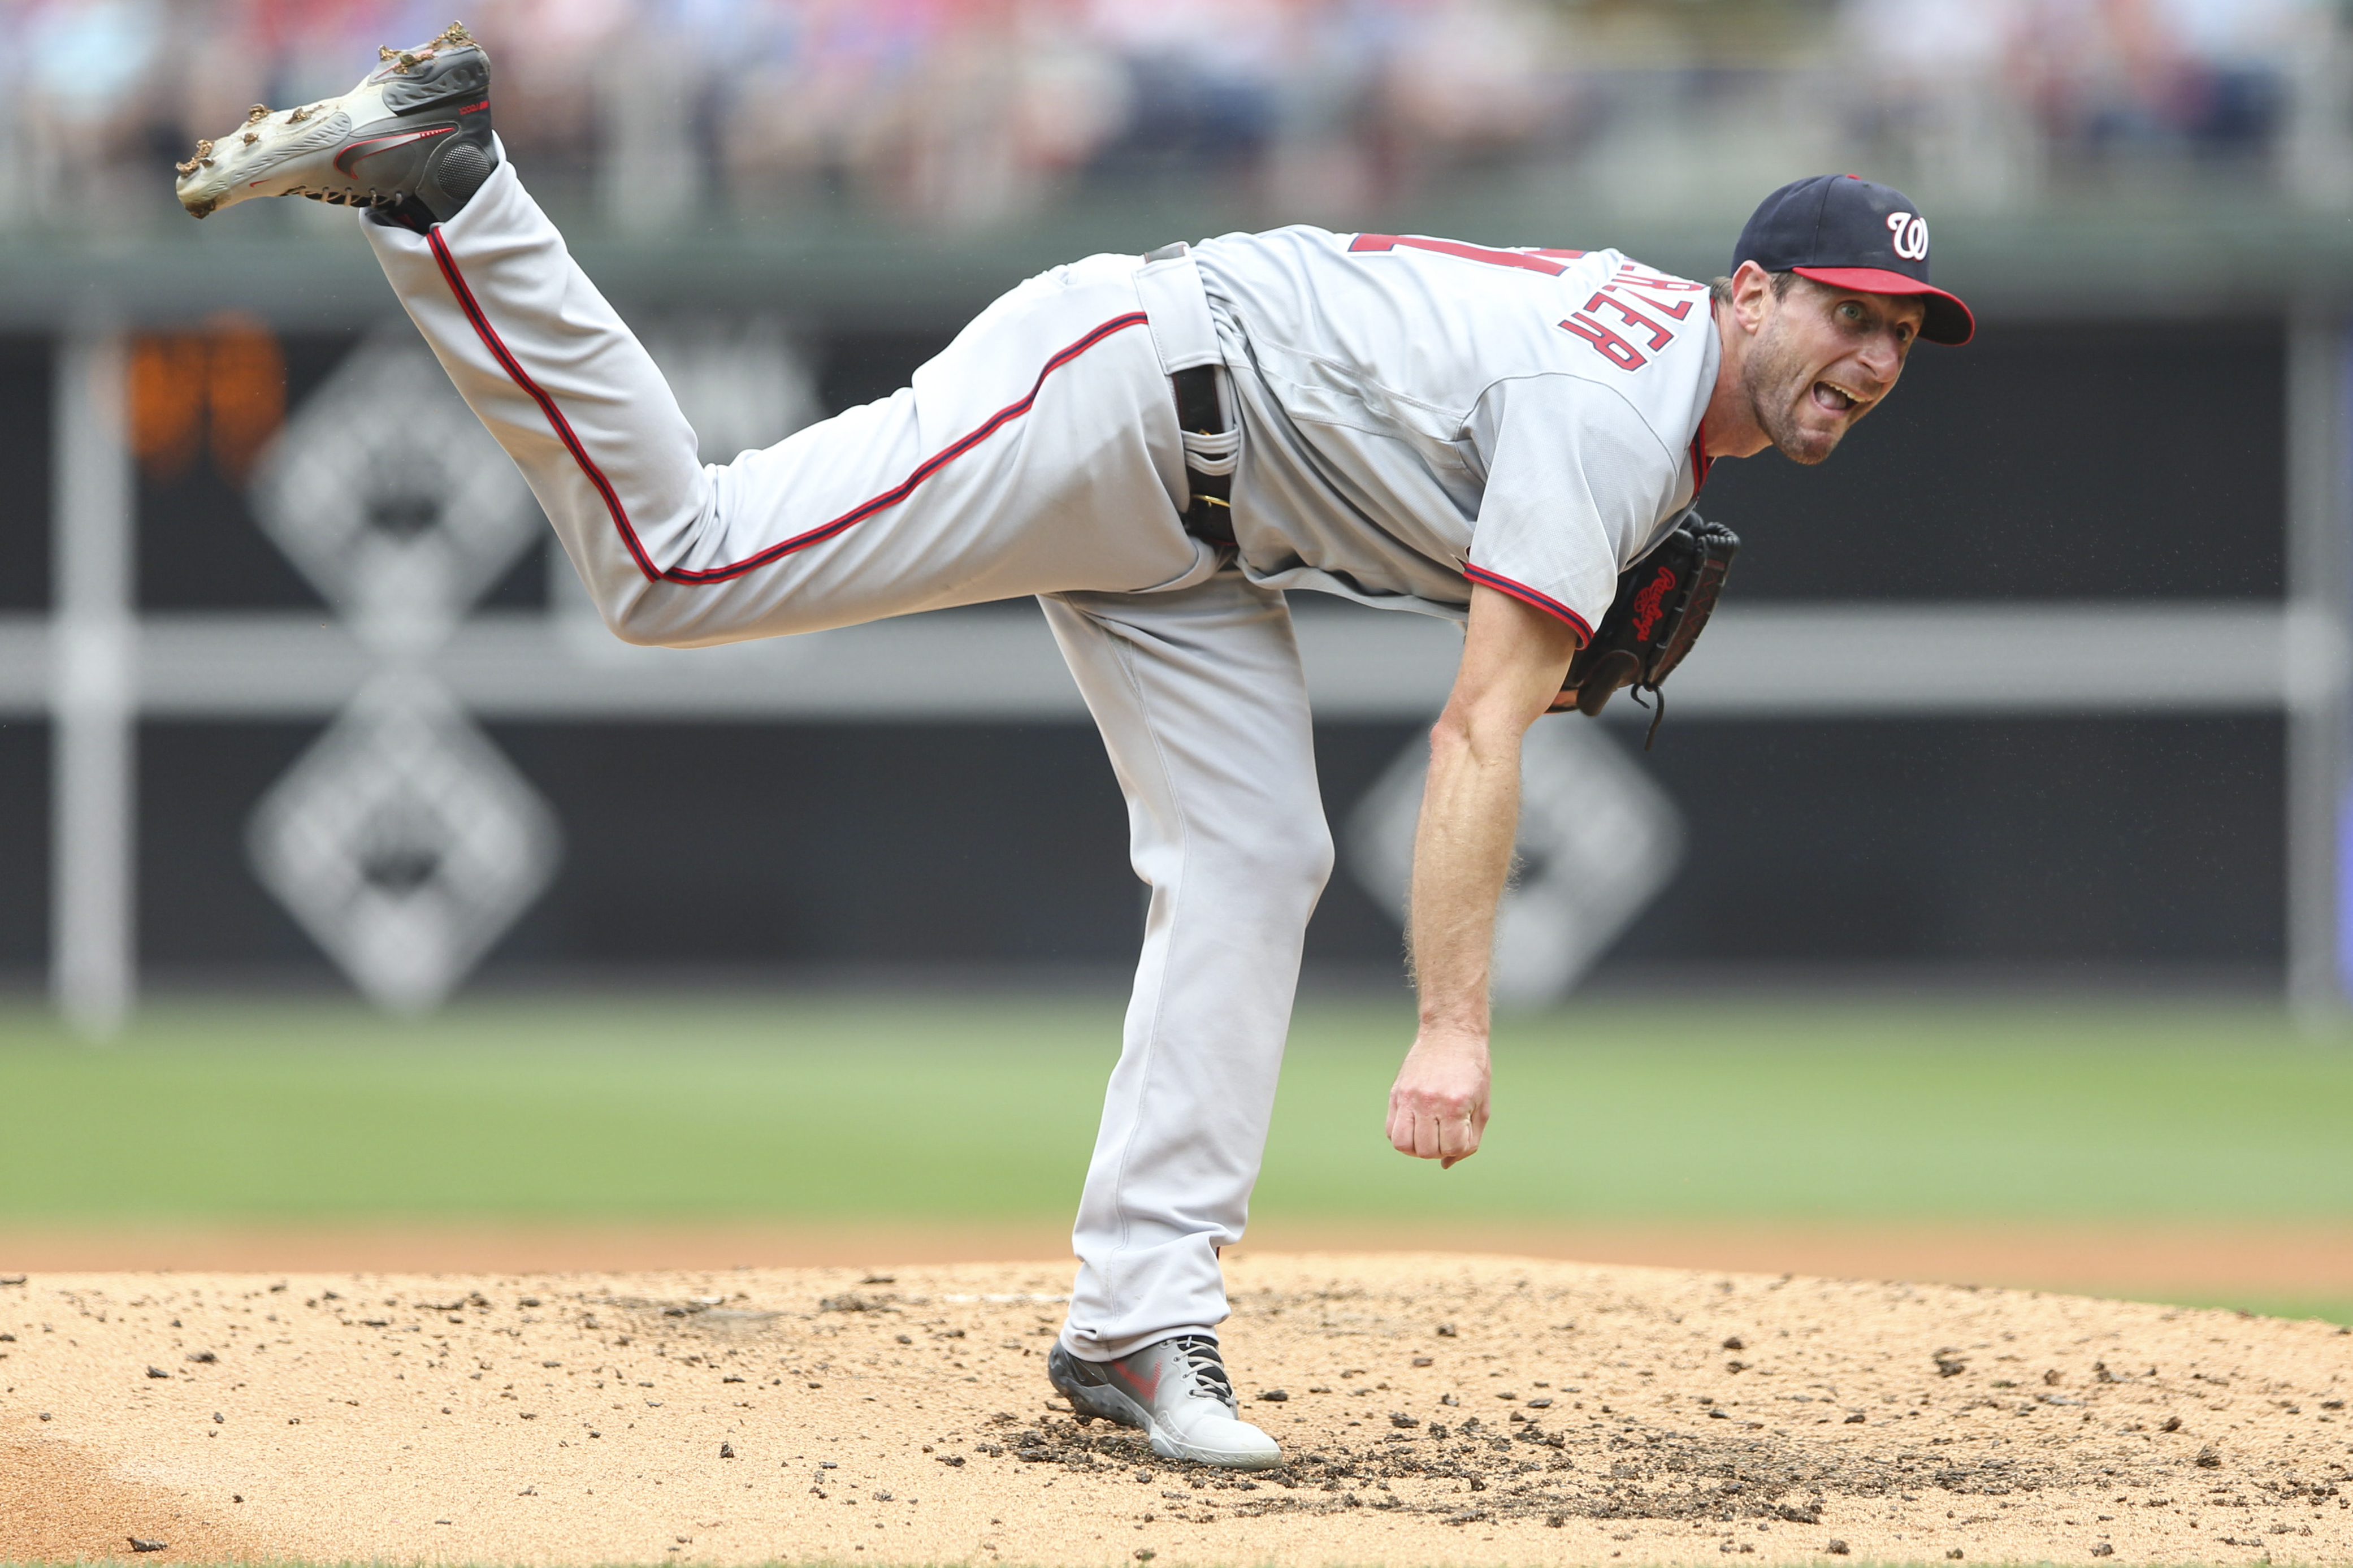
column 1651, row 602
column 1662, row 603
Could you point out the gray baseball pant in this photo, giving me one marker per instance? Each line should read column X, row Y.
column 1039, row 454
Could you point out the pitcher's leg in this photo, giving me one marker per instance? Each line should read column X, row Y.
column 1203, row 709
column 1038, row 453
column 561, row 383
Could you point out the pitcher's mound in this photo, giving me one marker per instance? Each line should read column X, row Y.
column 1435, row 1409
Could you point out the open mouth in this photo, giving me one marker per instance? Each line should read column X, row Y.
column 1836, row 399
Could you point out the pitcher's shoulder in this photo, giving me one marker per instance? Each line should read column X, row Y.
column 1625, row 322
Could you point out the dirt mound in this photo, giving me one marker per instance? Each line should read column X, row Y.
column 1434, row 1409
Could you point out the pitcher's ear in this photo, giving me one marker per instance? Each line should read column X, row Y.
column 1752, row 294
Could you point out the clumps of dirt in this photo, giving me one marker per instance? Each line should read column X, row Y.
column 1527, row 1472
column 1437, row 1410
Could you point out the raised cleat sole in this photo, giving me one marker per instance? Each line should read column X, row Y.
column 234, row 173
column 310, row 152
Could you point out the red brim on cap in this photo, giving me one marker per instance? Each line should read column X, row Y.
column 1948, row 320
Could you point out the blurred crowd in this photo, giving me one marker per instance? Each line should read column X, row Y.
column 969, row 112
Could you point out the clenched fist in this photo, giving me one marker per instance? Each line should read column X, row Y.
column 1438, row 1107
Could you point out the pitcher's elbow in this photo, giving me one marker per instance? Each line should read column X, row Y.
column 1479, row 737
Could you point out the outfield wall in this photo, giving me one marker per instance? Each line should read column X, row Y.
column 2115, row 801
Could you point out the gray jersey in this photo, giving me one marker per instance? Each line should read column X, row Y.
column 1419, row 415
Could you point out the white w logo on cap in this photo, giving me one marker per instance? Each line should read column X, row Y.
column 1911, row 232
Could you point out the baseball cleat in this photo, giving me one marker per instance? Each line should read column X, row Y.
column 413, row 136
column 1178, row 1391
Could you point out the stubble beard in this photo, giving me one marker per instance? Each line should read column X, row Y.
column 1776, row 383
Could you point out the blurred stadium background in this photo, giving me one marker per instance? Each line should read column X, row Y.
column 2037, row 691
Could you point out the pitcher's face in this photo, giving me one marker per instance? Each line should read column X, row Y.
column 1824, row 358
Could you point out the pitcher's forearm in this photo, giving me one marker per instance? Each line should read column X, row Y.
column 1438, row 1107
column 1513, row 662
column 1462, row 853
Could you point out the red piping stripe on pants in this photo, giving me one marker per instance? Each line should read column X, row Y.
column 697, row 577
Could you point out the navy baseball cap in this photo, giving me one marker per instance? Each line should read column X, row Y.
column 1849, row 233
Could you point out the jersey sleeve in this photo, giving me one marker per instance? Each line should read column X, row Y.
column 1576, row 480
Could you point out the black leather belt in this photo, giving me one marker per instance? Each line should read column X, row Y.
column 1210, row 516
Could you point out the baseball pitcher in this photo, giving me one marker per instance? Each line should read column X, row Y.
column 1160, row 447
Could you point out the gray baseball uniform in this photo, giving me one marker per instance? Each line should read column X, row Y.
column 1420, row 414
column 1415, row 415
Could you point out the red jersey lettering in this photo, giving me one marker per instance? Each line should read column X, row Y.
column 1613, row 348
column 1677, row 311
column 1538, row 261
column 1660, row 336
column 1638, row 277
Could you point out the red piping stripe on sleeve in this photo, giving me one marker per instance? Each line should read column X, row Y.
column 1528, row 595
column 858, row 513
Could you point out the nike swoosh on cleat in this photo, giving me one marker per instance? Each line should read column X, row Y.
column 325, row 131
column 375, row 144
column 1145, row 1389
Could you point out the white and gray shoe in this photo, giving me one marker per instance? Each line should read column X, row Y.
column 1178, row 1391
column 412, row 140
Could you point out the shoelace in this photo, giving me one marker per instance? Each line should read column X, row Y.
column 1201, row 1359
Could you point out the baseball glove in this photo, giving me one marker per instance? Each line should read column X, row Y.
column 1663, row 605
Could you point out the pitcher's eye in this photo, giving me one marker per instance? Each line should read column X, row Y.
column 1850, row 311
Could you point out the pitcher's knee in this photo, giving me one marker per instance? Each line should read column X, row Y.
column 1316, row 857
column 1278, row 856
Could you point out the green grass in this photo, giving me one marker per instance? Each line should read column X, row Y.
column 984, row 1109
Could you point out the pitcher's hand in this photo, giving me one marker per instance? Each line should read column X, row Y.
column 1438, row 1107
